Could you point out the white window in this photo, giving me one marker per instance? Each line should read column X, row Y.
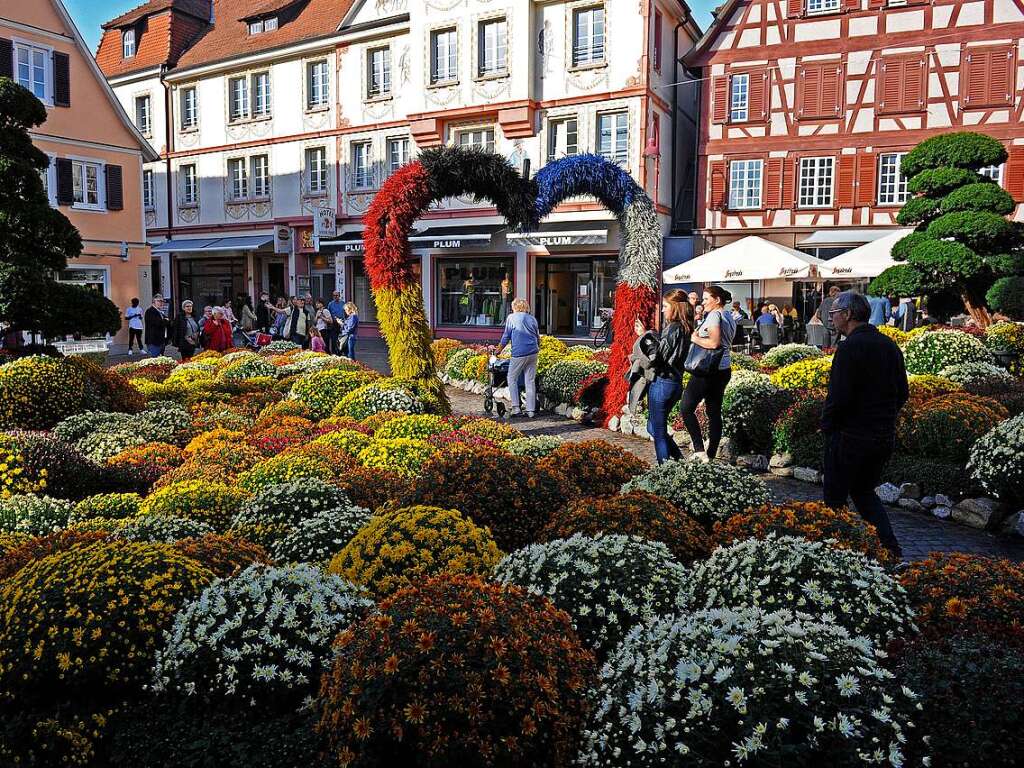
column 147, row 190
column 316, row 170
column 477, row 138
column 588, row 36
column 816, row 182
column 86, row 177
column 143, row 111
column 492, row 53
column 189, row 185
column 613, row 137
column 892, row 187
column 822, row 6
column 128, row 43
column 398, row 154
column 745, row 184
column 378, row 73
column 260, row 176
column 739, row 97
column 444, row 55
column 270, row 24
column 994, row 172
column 48, row 176
column 318, row 92
column 261, row 94
column 259, row 26
column 361, row 177
column 189, row 109
column 563, row 138
column 238, row 175
column 238, row 98
column 32, row 68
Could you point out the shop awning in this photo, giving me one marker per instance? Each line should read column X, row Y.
column 346, row 242
column 750, row 258
column 869, row 260
column 453, row 238
column 214, row 244
column 560, row 235
column 826, row 237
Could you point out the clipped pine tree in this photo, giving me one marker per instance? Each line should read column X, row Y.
column 37, row 240
column 962, row 241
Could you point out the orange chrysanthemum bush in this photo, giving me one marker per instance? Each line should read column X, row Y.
column 151, row 460
column 334, row 423
column 488, row 429
column 927, row 386
column 224, row 556
column 811, row 520
column 946, row 427
column 637, row 513
column 955, row 593
column 511, row 495
column 457, row 671
column 38, row 547
column 593, row 467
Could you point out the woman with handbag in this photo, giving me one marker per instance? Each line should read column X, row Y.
column 667, row 351
column 710, row 369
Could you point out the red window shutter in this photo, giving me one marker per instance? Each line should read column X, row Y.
column 789, row 183
column 759, row 95
column 1015, row 173
column 866, row 172
column 773, row 170
column 890, row 83
column 716, row 198
column 61, row 79
column 915, row 84
column 846, row 177
column 810, row 91
column 657, row 40
column 6, row 58
column 794, row 8
column 720, row 99
column 1001, row 68
column 874, row 4
column 974, row 90
column 852, row 5
column 831, row 103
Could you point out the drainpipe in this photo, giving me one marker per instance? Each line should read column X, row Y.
column 169, row 133
column 675, row 118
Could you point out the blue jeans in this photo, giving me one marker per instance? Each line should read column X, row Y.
column 662, row 396
column 155, row 350
column 350, row 344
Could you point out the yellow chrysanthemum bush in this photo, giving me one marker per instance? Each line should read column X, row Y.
column 38, row 392
column 403, row 547
column 804, row 374
column 900, row 337
column 377, row 397
column 419, row 426
column 111, row 506
column 212, row 503
column 79, row 631
column 348, row 440
column 321, row 392
column 442, row 349
column 402, row 455
column 926, row 386
column 286, row 468
column 13, row 477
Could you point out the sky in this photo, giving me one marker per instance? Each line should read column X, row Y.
column 89, row 14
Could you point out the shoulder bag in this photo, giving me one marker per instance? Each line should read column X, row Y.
column 701, row 361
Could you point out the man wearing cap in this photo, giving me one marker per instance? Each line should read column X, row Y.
column 866, row 389
column 157, row 326
column 337, row 309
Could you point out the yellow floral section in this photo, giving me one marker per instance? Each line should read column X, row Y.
column 926, row 386
column 13, row 477
column 213, row 503
column 401, row 455
column 406, row 546
column 348, row 440
column 804, row 374
column 900, row 337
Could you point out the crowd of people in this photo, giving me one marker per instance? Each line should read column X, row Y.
column 311, row 323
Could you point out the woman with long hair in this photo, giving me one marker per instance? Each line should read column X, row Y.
column 668, row 357
column 715, row 334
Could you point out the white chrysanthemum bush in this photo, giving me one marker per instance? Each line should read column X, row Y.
column 975, row 373
column 997, row 460
column 320, row 537
column 288, row 504
column 728, row 687
column 811, row 578
column 607, row 584
column 931, row 352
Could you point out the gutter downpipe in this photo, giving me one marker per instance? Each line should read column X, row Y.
column 169, row 133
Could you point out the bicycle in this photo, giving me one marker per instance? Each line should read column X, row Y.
column 603, row 333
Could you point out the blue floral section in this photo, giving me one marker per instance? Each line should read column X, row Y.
column 584, row 175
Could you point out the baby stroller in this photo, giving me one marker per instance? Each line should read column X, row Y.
column 497, row 377
column 255, row 340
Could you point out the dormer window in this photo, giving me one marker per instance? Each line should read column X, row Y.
column 128, row 43
column 259, row 26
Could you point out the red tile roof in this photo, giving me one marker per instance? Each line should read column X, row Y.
column 160, row 39
column 229, row 36
column 198, row 8
column 268, row 7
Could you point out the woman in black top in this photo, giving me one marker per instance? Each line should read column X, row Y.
column 673, row 343
column 186, row 331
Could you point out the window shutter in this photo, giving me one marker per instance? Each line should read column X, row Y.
column 810, row 91
column 890, row 76
column 6, row 58
column 115, row 188
column 852, row 5
column 720, row 99
column 831, row 103
column 874, row 4
column 717, row 197
column 759, row 95
column 1015, row 173
column 61, row 79
column 915, row 84
column 789, row 183
column 773, row 169
column 866, row 170
column 65, row 182
column 974, row 82
column 794, row 8
column 1001, row 68
column 846, row 177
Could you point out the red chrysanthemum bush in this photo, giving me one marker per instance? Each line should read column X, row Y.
column 368, row 487
column 637, row 513
column 511, row 495
column 457, row 672
column 955, row 593
column 811, row 520
column 593, row 467
column 224, row 556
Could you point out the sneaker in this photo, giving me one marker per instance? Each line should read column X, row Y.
column 130, row 353
column 531, row 414
column 516, row 415
column 700, row 457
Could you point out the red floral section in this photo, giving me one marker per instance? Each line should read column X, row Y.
column 402, row 200
column 630, row 303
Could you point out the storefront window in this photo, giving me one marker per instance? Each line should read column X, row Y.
column 572, row 292
column 210, row 282
column 361, row 293
column 474, row 292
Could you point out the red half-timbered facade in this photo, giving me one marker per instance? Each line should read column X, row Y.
column 809, row 106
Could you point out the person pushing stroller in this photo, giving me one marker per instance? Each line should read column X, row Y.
column 522, row 331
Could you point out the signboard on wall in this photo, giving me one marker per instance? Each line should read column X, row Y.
column 339, row 275
column 306, row 243
column 282, row 239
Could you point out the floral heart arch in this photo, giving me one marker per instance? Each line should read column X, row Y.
column 453, row 171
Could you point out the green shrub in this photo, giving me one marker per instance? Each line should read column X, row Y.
column 798, row 430
column 785, row 354
column 560, row 382
column 749, row 410
column 961, row 149
column 1007, row 296
column 938, row 182
column 934, row 477
column 980, row 230
column 980, row 196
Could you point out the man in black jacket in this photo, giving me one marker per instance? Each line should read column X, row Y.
column 157, row 326
column 866, row 389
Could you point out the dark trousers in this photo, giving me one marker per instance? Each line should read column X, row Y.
column 662, row 396
column 710, row 389
column 298, row 338
column 330, row 334
column 135, row 335
column 853, row 469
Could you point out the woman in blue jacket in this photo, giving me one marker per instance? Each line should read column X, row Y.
column 347, row 345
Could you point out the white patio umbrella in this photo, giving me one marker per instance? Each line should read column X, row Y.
column 750, row 258
column 868, row 260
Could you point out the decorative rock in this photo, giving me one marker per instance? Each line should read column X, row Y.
column 1014, row 524
column 726, row 450
column 942, row 512
column 781, row 471
column 613, row 423
column 888, row 493
column 941, row 500
column 979, row 513
column 910, row 491
column 781, row 460
column 928, row 502
column 807, row 475
column 913, row 505
column 682, row 439
column 753, row 461
column 626, row 426
column 577, row 413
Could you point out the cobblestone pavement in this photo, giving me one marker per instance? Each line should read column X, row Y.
column 919, row 534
